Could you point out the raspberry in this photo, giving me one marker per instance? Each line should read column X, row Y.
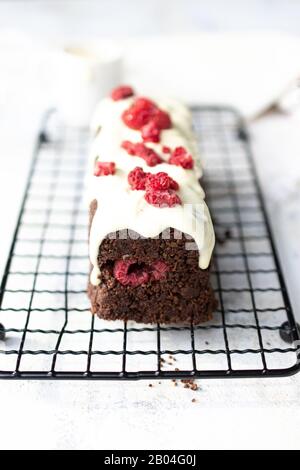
column 129, row 273
column 166, row 149
column 150, row 132
column 181, row 157
column 151, row 157
column 129, row 147
column 160, row 181
column 104, row 168
column 163, row 198
column 140, row 150
column 145, row 103
column 135, row 120
column 158, row 270
column 144, row 111
column 137, row 178
column 139, row 113
column 121, row 93
column 162, row 119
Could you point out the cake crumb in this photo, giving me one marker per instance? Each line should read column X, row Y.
column 221, row 239
column 228, row 234
column 194, row 400
column 190, row 384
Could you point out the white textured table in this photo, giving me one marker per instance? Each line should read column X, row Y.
column 227, row 414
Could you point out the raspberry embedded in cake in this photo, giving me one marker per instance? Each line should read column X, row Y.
column 130, row 273
column 134, row 274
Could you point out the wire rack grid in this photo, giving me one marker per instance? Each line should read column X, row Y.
column 48, row 330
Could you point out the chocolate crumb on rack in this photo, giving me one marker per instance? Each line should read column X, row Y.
column 222, row 238
column 190, row 384
column 187, row 383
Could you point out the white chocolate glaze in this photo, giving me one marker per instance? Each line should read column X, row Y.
column 119, row 207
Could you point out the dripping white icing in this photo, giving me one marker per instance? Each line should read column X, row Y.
column 119, row 208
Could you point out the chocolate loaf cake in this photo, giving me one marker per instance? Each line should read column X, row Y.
column 151, row 235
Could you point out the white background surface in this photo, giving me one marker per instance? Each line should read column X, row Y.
column 239, row 414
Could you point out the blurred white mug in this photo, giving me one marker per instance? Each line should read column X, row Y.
column 86, row 74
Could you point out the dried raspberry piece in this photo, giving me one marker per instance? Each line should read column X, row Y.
column 160, row 181
column 104, row 168
column 166, row 149
column 145, row 103
column 162, row 119
column 140, row 150
column 181, row 157
column 135, row 120
column 121, row 92
column 150, row 132
column 150, row 157
column 129, row 273
column 129, row 147
column 139, row 113
column 163, row 198
column 137, row 178
column 142, row 111
column 158, row 270
column 174, row 185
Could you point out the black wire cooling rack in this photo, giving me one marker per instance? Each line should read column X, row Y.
column 48, row 330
